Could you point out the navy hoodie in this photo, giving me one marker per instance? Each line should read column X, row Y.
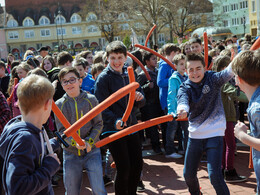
column 23, row 171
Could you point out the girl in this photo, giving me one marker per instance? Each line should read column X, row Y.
column 47, row 63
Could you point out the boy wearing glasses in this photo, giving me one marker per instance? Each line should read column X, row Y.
column 74, row 104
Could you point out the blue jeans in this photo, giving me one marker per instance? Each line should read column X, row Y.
column 195, row 148
column 72, row 169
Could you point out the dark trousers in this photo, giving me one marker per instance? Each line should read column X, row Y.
column 1, row 171
column 127, row 154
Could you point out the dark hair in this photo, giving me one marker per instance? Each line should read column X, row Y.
column 137, row 53
column 146, row 56
column 220, row 63
column 169, row 48
column 67, row 70
column 195, row 40
column 247, row 66
column 14, row 64
column 196, row 57
column 81, row 62
column 63, row 57
column 33, row 62
column 220, row 47
column 2, row 64
column 96, row 68
column 38, row 71
column 116, row 47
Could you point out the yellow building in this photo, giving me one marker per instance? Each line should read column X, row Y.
column 254, row 11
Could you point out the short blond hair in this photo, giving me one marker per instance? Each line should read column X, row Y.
column 33, row 92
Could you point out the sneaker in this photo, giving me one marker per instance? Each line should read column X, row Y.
column 182, row 152
column 231, row 176
column 174, row 155
column 107, row 180
column 140, row 186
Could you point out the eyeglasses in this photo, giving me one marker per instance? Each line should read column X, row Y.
column 71, row 81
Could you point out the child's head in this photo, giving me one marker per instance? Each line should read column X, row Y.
column 86, row 55
column 64, row 59
column 149, row 59
column 22, row 70
column 195, row 45
column 97, row 69
column 70, row 81
column 38, row 71
column 10, row 59
column 98, row 57
column 195, row 67
column 186, row 48
column 220, row 63
column 246, row 65
column 27, row 54
column 180, row 61
column 81, row 64
column 47, row 63
column 2, row 69
column 116, row 55
column 171, row 50
column 33, row 93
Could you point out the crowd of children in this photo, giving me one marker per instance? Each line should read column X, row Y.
column 208, row 99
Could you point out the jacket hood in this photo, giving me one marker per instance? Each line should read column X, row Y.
column 11, row 129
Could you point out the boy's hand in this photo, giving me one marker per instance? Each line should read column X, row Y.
column 81, row 147
column 54, row 155
column 240, row 130
column 118, row 124
column 138, row 96
column 182, row 114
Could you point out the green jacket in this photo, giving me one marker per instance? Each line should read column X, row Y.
column 229, row 94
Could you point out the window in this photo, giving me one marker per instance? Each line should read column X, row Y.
column 38, row 45
column 13, row 35
column 161, row 38
column 92, row 29
column 76, row 30
column 61, row 31
column 235, row 21
column 243, row 4
column 225, row 23
column 44, row 21
column 124, row 26
column 45, row 33
column 12, row 23
column 28, row 22
column 60, row 19
column 91, row 17
column 117, row 38
column 122, row 16
column 234, row 7
column 225, row 8
column 75, row 18
column 29, row 34
column 253, row 6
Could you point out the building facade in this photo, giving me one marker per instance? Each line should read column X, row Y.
column 254, row 17
column 233, row 14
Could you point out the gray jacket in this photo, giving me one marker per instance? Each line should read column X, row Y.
column 73, row 109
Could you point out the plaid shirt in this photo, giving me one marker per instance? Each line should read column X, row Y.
column 5, row 112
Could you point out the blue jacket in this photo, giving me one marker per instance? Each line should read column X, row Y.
column 108, row 82
column 204, row 104
column 174, row 85
column 164, row 73
column 23, row 172
column 88, row 84
column 253, row 111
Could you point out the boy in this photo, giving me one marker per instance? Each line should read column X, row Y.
column 246, row 67
column 200, row 97
column 177, row 78
column 74, row 104
column 64, row 59
column 164, row 73
column 126, row 152
column 27, row 169
column 88, row 82
column 196, row 47
column 152, row 108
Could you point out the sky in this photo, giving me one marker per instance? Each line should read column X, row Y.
column 2, row 2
